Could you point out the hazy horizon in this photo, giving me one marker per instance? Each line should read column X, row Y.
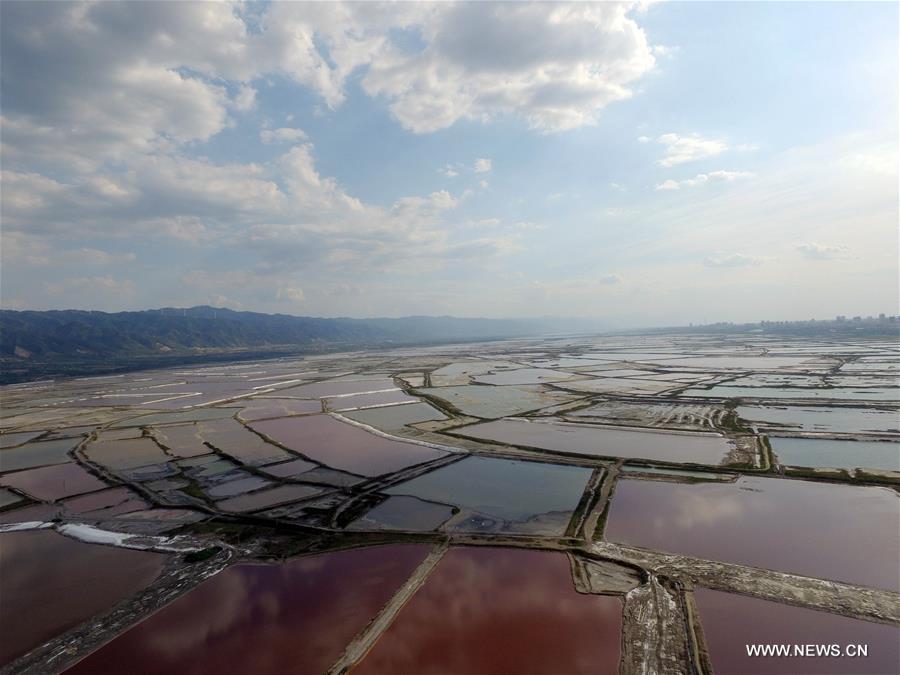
column 574, row 323
column 639, row 165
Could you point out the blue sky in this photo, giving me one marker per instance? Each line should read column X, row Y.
column 641, row 164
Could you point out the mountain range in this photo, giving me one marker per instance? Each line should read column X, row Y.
column 73, row 342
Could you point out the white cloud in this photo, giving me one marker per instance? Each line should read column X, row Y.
column 245, row 99
column 703, row 179
column 644, row 139
column 554, row 64
column 483, row 184
column 617, row 186
column 664, row 51
column 733, row 260
column 482, row 165
column 449, row 171
column 117, row 79
column 681, row 149
column 814, row 251
column 282, row 135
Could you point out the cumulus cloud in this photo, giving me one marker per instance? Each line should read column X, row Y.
column 813, row 251
column 703, row 179
column 733, row 260
column 682, row 149
column 282, row 135
column 93, row 82
column 557, row 65
column 108, row 108
column 89, row 83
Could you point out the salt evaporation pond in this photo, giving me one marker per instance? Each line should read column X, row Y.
column 833, row 393
column 264, row 408
column 495, row 610
column 598, row 441
column 50, row 583
column 49, row 483
column 503, row 494
column 14, row 439
column 182, row 440
column 344, row 446
column 482, row 400
column 126, row 454
column 404, row 513
column 391, row 418
column 835, row 420
column 772, row 523
column 39, row 453
column 294, row 617
column 730, row 622
column 829, row 453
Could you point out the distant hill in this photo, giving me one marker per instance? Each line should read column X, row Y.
column 71, row 342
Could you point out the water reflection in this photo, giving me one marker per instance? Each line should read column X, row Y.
column 295, row 617
column 404, row 513
column 494, row 610
column 504, row 490
column 604, row 441
column 50, row 583
column 826, row 452
column 40, row 453
column 396, row 416
column 778, row 524
column 492, row 402
column 53, row 482
column 841, row 420
column 730, row 622
column 344, row 446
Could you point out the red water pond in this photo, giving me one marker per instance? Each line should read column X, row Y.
column 50, row 583
column 825, row 530
column 494, row 610
column 730, row 622
column 344, row 446
column 295, row 617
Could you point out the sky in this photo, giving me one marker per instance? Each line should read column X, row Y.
column 640, row 164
